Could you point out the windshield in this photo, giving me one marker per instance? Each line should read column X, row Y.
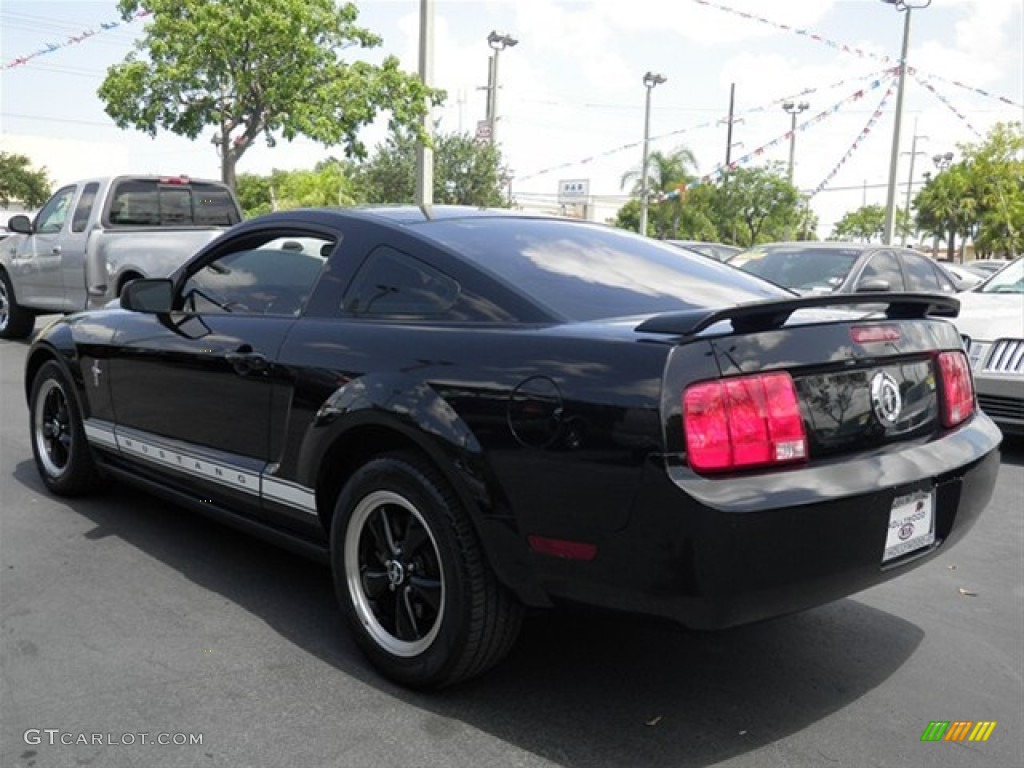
column 797, row 267
column 1008, row 280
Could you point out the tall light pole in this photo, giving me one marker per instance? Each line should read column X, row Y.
column 910, row 181
column 424, row 153
column 498, row 42
column 650, row 80
column 793, row 110
column 890, row 199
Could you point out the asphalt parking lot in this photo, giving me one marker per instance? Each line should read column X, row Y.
column 121, row 615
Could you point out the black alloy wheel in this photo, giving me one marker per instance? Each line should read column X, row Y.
column 58, row 438
column 411, row 578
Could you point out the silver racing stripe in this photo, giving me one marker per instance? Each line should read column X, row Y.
column 154, row 451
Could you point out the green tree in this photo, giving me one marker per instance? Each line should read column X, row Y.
column 667, row 174
column 865, row 224
column 327, row 185
column 946, row 206
column 997, row 180
column 20, row 183
column 758, row 204
column 465, row 172
column 257, row 67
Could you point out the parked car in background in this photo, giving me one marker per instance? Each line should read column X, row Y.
column 466, row 412
column 834, row 267
column 717, row 251
column 94, row 236
column 986, row 267
column 962, row 278
column 991, row 320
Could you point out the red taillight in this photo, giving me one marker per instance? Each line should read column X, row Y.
column 742, row 422
column 957, row 388
column 174, row 180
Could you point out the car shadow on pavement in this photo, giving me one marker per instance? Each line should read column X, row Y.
column 580, row 688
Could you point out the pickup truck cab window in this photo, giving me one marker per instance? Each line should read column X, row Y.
column 156, row 202
column 84, row 208
column 53, row 215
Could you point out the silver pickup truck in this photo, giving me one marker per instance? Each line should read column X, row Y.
column 93, row 236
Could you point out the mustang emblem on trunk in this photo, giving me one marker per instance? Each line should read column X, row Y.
column 885, row 398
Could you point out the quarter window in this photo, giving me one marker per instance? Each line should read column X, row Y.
column 884, row 266
column 393, row 283
column 921, row 275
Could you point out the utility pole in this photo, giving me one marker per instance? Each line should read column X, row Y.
column 728, row 131
column 890, row 200
column 424, row 153
column 910, row 182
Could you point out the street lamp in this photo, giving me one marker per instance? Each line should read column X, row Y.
column 498, row 43
column 890, row 199
column 793, row 110
column 650, row 80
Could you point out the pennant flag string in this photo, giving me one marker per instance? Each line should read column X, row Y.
column 949, row 106
column 821, row 116
column 707, row 124
column 980, row 91
column 851, row 49
column 72, row 40
column 858, row 141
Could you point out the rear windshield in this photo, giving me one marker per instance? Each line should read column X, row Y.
column 799, row 267
column 158, row 203
column 588, row 272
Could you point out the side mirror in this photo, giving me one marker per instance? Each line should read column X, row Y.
column 152, row 295
column 21, row 224
column 873, row 285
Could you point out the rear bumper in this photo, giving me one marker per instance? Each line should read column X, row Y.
column 740, row 550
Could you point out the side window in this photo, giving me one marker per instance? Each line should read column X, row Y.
column 53, row 215
column 921, row 275
column 267, row 275
column 84, row 207
column 394, row 284
column 883, row 266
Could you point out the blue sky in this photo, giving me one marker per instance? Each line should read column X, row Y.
column 571, row 100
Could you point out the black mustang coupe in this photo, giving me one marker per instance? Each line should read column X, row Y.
column 468, row 413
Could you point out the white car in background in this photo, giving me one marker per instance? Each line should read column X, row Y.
column 964, row 279
column 991, row 320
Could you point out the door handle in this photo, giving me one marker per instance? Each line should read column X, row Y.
column 55, row 250
column 246, row 362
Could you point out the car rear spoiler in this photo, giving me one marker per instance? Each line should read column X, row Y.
column 766, row 315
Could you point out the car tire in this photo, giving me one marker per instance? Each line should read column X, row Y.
column 59, row 446
column 15, row 322
column 411, row 577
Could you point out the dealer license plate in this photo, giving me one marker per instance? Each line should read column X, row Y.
column 911, row 524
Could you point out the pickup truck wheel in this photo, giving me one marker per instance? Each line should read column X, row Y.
column 411, row 578
column 58, row 438
column 15, row 322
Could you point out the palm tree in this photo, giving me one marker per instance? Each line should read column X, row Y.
column 666, row 172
